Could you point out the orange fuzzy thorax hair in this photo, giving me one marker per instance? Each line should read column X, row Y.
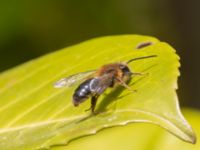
column 112, row 69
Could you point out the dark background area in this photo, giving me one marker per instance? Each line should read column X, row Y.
column 29, row 29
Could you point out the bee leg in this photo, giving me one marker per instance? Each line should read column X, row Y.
column 138, row 73
column 122, row 83
column 93, row 103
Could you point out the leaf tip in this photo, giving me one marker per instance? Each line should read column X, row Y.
column 193, row 139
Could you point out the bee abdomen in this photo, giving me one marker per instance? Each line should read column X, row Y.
column 82, row 93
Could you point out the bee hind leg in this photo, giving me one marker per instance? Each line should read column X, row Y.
column 93, row 103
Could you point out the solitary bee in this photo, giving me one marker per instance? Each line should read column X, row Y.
column 95, row 82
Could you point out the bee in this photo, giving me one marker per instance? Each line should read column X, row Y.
column 95, row 82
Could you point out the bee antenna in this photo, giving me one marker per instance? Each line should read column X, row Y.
column 138, row 58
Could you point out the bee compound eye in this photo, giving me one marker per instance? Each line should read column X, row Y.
column 121, row 66
column 124, row 68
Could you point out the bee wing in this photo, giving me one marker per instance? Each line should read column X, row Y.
column 73, row 79
column 101, row 84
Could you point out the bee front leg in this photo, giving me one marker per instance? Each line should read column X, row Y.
column 138, row 74
column 122, row 83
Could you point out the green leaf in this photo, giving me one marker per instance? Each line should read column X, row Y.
column 140, row 136
column 36, row 115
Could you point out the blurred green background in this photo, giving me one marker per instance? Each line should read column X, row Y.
column 29, row 29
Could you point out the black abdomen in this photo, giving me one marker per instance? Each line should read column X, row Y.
column 82, row 92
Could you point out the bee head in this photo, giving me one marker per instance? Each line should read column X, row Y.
column 125, row 69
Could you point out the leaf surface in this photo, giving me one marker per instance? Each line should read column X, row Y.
column 143, row 136
column 35, row 115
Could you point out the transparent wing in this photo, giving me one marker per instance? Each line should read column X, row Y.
column 100, row 84
column 73, row 79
